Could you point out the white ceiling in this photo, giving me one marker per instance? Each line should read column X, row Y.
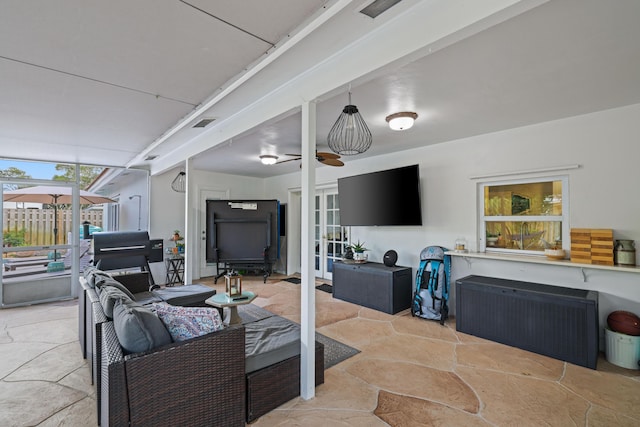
column 101, row 82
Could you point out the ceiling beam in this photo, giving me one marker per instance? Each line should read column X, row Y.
column 420, row 30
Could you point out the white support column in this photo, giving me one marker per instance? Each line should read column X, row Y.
column 308, row 295
column 190, row 227
column 75, row 234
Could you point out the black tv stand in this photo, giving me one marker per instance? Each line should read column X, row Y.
column 373, row 285
column 265, row 267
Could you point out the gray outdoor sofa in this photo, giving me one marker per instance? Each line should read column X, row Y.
column 227, row 377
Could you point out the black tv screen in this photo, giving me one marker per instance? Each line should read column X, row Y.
column 389, row 197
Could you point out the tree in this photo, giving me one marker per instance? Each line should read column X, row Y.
column 87, row 174
column 13, row 172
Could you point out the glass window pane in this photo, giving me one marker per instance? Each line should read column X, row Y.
column 529, row 199
column 329, row 202
column 524, row 235
column 330, row 265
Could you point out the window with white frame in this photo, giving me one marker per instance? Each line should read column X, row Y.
column 524, row 215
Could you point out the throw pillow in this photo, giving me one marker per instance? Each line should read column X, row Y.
column 110, row 281
column 138, row 329
column 184, row 323
column 109, row 295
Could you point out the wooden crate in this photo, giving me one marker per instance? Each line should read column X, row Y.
column 592, row 246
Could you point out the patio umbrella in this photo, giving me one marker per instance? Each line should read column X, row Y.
column 53, row 195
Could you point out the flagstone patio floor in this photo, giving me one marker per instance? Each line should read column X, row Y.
column 410, row 372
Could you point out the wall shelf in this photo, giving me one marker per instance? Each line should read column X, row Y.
column 542, row 260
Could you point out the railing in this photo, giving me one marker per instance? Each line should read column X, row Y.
column 38, row 224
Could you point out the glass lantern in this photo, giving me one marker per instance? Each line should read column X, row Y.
column 233, row 284
column 461, row 245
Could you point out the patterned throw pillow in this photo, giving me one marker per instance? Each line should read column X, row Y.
column 184, row 323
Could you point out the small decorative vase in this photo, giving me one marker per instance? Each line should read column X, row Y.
column 625, row 252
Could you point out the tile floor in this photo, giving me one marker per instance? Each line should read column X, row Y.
column 410, row 372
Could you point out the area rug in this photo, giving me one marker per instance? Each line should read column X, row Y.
column 334, row 351
column 293, row 280
column 325, row 288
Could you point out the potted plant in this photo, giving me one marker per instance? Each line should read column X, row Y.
column 492, row 238
column 358, row 251
column 179, row 246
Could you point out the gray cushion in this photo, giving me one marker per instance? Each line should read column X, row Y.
column 146, row 298
column 93, row 275
column 270, row 341
column 139, row 280
column 187, row 295
column 109, row 281
column 109, row 295
column 138, row 329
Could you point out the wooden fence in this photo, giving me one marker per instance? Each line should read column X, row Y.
column 38, row 224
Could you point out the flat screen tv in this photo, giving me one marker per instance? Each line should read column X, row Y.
column 389, row 197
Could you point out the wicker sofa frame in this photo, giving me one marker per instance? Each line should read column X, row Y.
column 190, row 383
column 199, row 382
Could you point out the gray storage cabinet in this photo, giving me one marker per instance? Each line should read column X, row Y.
column 550, row 320
column 373, row 285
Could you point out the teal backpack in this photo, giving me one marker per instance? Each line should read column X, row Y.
column 431, row 296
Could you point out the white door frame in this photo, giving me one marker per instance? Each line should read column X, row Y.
column 330, row 232
column 293, row 229
column 205, row 193
column 294, row 214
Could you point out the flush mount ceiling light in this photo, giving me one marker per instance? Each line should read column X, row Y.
column 268, row 159
column 179, row 183
column 349, row 134
column 401, row 121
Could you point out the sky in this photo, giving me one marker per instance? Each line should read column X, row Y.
column 37, row 170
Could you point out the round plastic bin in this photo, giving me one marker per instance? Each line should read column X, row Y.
column 622, row 350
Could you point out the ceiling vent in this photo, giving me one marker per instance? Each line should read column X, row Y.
column 202, row 123
column 151, row 157
column 378, row 6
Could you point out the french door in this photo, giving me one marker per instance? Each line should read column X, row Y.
column 330, row 237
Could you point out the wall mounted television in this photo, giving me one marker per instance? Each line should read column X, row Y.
column 388, row 197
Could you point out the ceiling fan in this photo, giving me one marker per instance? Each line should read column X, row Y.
column 330, row 159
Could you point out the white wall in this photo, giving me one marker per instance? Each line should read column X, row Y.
column 603, row 194
column 135, row 182
column 168, row 206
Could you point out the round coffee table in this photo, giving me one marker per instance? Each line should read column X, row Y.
column 222, row 300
